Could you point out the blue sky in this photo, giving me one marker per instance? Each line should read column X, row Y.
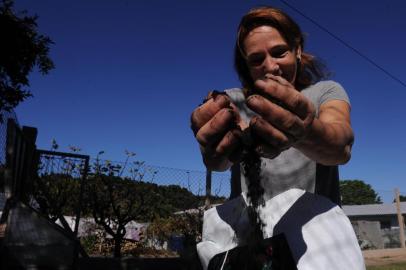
column 129, row 73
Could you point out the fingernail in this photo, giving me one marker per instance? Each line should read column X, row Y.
column 254, row 121
column 221, row 99
column 252, row 97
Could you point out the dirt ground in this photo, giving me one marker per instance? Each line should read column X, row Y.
column 384, row 256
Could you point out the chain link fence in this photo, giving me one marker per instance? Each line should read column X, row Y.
column 58, row 186
column 4, row 116
column 192, row 180
column 61, row 167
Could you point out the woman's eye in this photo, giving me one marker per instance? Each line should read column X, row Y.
column 279, row 53
column 255, row 60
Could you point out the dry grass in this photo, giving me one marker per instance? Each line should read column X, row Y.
column 385, row 258
column 396, row 266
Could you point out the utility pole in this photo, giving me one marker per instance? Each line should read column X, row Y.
column 400, row 220
column 208, row 188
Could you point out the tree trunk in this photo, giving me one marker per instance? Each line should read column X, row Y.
column 117, row 246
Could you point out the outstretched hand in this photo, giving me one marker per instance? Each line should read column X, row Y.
column 215, row 125
column 284, row 115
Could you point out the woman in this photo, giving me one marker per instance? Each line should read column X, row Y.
column 298, row 125
column 293, row 117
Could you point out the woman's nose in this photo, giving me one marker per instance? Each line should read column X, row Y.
column 271, row 66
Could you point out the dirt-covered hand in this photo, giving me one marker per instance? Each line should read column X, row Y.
column 284, row 115
column 215, row 125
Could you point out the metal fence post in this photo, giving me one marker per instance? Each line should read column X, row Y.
column 208, row 188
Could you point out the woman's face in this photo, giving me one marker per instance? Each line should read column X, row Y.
column 267, row 52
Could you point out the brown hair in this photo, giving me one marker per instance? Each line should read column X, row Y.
column 310, row 69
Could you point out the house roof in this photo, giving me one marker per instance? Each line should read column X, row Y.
column 373, row 209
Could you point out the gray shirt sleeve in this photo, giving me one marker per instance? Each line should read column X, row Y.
column 324, row 91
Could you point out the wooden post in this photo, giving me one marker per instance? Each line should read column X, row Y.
column 11, row 151
column 400, row 220
column 25, row 184
column 208, row 188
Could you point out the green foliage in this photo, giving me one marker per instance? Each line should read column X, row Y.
column 89, row 242
column 187, row 224
column 121, row 200
column 56, row 195
column 357, row 192
column 178, row 198
column 21, row 49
